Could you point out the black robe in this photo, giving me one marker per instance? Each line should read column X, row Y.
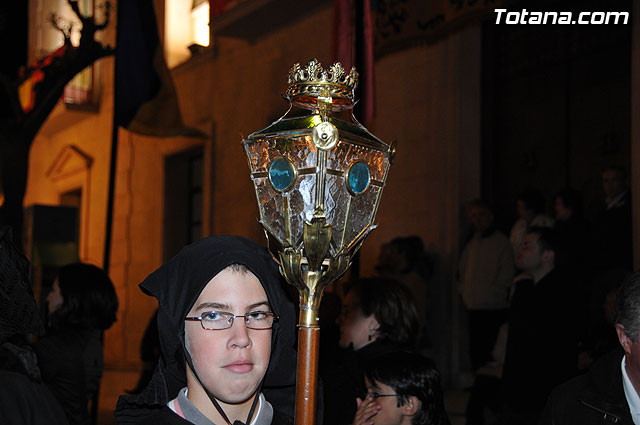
column 542, row 345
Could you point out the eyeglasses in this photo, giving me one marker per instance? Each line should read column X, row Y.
column 376, row 396
column 528, row 244
column 216, row 320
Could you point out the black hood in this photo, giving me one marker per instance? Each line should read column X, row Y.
column 176, row 285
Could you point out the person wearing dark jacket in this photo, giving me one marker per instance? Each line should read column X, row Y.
column 24, row 399
column 226, row 332
column 611, row 232
column 596, row 397
column 609, row 392
column 542, row 344
column 82, row 304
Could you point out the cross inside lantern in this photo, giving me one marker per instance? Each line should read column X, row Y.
column 318, row 181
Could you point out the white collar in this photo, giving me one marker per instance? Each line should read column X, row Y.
column 182, row 407
column 633, row 400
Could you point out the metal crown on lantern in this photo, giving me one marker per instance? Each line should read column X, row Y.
column 318, row 181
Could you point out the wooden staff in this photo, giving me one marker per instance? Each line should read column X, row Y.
column 307, row 375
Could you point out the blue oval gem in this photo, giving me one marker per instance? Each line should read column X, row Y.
column 359, row 177
column 281, row 173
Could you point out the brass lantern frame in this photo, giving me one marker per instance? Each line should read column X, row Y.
column 317, row 228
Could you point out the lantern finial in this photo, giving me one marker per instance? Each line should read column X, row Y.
column 309, row 83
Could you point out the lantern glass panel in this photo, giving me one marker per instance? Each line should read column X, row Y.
column 362, row 211
column 336, row 201
column 345, row 154
column 272, row 204
column 263, row 152
column 304, row 154
column 271, row 208
column 302, row 205
column 258, row 154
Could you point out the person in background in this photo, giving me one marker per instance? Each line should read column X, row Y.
column 571, row 227
column 82, row 304
column 486, row 272
column 24, row 399
column 599, row 336
column 610, row 391
column 572, row 233
column 404, row 259
column 544, row 327
column 402, row 388
column 530, row 207
column 378, row 316
column 611, row 234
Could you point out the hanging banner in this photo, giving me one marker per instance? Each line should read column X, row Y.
column 403, row 23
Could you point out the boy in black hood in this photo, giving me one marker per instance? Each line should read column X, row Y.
column 227, row 334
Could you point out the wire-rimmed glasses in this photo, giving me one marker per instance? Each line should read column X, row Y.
column 218, row 320
column 374, row 395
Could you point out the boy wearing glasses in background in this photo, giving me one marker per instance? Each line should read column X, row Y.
column 226, row 331
column 403, row 388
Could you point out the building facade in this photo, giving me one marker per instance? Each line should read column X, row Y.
column 430, row 98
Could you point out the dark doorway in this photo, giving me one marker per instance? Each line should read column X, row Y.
column 556, row 108
column 182, row 200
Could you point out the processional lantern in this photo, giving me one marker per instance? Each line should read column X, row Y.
column 318, row 181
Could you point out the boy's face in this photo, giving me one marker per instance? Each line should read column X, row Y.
column 389, row 412
column 230, row 362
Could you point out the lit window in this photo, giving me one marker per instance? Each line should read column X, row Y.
column 79, row 91
column 186, row 24
column 200, row 23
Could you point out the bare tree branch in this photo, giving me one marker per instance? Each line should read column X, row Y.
column 89, row 25
column 62, row 25
column 76, row 8
column 18, row 131
column 107, row 14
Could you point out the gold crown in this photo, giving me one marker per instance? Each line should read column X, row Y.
column 313, row 81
